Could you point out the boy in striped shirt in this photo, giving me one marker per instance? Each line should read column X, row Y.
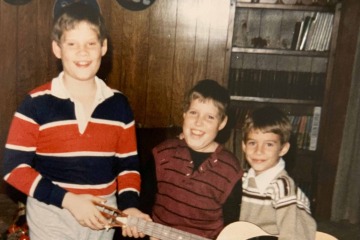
column 72, row 141
column 270, row 198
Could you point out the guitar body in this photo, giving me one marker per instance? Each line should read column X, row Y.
column 244, row 231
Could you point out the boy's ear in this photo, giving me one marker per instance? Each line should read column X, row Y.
column 56, row 49
column 285, row 149
column 223, row 123
column 104, row 47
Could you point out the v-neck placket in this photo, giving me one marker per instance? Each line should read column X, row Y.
column 102, row 92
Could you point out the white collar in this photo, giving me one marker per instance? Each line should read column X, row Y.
column 264, row 179
column 58, row 89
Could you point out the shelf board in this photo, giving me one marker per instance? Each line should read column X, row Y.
column 274, row 100
column 295, row 7
column 280, row 52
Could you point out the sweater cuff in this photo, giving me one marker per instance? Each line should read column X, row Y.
column 128, row 200
column 49, row 193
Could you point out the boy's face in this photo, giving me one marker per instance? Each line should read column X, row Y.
column 80, row 51
column 201, row 125
column 263, row 150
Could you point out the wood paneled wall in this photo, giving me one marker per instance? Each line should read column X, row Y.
column 159, row 53
column 155, row 56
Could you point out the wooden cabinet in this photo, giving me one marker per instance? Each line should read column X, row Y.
column 270, row 64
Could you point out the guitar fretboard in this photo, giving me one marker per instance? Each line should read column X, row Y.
column 160, row 231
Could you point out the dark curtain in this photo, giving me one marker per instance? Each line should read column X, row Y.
column 346, row 198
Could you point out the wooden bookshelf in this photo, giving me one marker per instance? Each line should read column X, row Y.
column 263, row 49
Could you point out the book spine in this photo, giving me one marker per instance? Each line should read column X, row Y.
column 315, row 128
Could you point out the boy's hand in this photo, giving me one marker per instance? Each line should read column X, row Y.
column 132, row 231
column 82, row 207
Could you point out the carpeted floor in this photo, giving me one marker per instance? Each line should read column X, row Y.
column 8, row 209
column 341, row 230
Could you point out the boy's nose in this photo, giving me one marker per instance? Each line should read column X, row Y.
column 83, row 50
column 198, row 121
column 258, row 149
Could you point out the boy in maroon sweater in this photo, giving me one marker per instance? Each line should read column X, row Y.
column 196, row 175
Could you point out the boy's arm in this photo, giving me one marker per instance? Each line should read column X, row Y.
column 18, row 159
column 231, row 208
column 127, row 164
column 128, row 178
column 293, row 216
column 148, row 185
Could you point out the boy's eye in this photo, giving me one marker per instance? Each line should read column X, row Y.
column 251, row 143
column 211, row 117
column 70, row 44
column 92, row 43
column 192, row 112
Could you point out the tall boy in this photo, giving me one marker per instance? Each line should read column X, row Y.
column 271, row 199
column 72, row 141
column 195, row 174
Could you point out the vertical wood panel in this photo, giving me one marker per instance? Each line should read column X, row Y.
column 202, row 42
column 28, row 48
column 8, row 17
column 219, row 10
column 161, row 57
column 115, row 23
column 187, row 13
column 44, row 53
column 107, row 62
column 136, row 35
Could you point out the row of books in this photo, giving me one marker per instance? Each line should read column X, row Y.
column 306, row 129
column 277, row 84
column 313, row 33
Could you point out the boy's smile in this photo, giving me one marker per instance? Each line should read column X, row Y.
column 263, row 150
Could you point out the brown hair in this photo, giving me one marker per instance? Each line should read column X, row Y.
column 268, row 119
column 71, row 15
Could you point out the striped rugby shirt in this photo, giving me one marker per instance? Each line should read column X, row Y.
column 51, row 148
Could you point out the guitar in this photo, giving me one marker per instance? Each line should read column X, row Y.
column 234, row 231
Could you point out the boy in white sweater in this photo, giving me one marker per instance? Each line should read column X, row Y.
column 271, row 200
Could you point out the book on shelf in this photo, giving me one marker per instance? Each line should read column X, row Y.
column 312, row 31
column 295, row 41
column 305, row 31
column 315, row 129
column 299, row 35
column 327, row 36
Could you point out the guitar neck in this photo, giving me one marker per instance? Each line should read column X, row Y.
column 161, row 231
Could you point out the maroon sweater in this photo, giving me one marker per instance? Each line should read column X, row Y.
column 192, row 200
